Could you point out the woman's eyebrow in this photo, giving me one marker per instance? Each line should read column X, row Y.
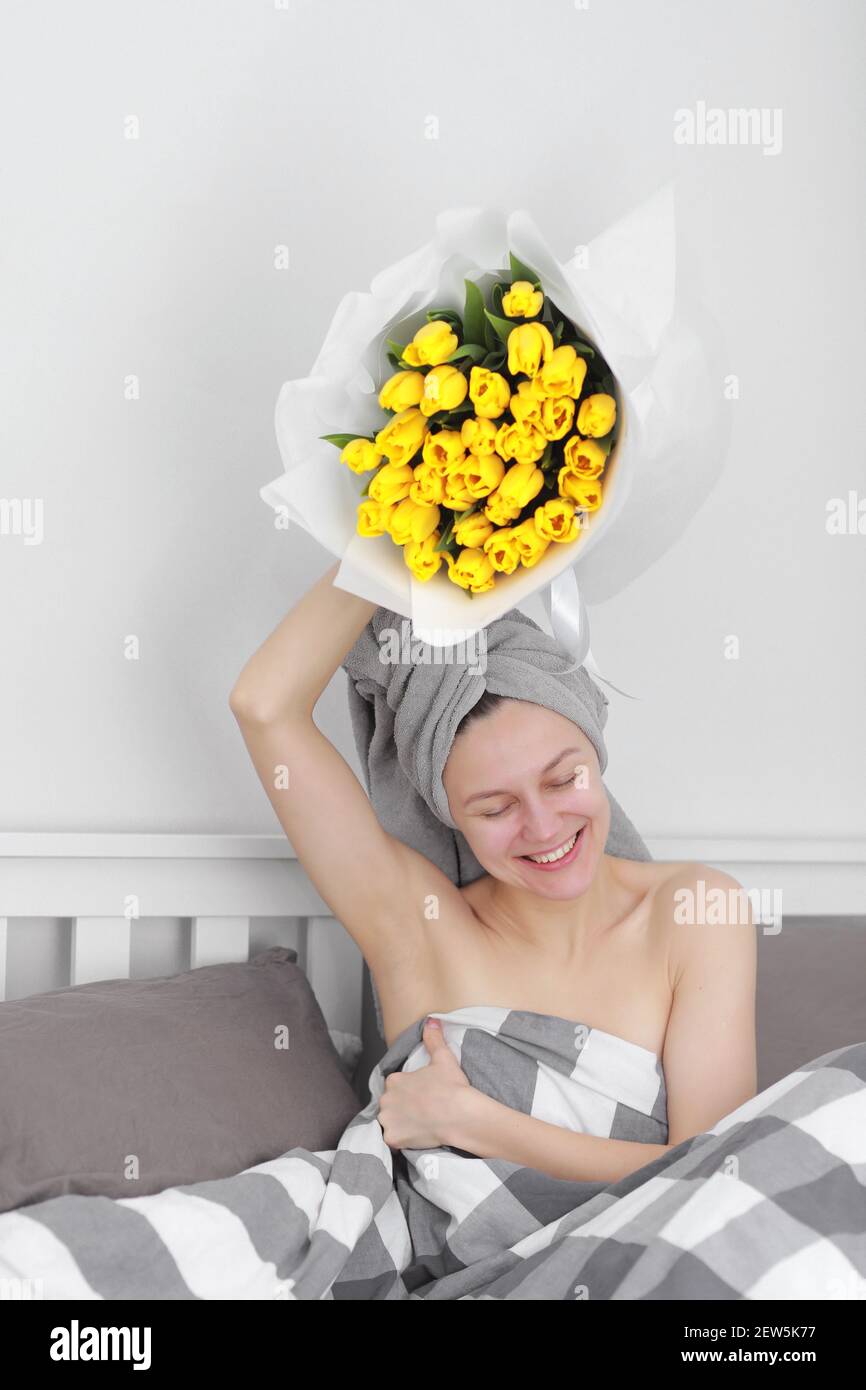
column 500, row 791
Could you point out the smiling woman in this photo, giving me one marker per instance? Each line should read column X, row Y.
column 558, row 811
column 549, row 910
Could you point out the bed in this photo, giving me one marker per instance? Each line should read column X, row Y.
column 768, row 1204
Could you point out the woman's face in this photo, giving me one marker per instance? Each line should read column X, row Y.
column 524, row 781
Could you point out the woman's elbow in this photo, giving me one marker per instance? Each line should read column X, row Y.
column 254, row 707
column 248, row 706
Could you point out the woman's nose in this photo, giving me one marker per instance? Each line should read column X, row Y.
column 540, row 822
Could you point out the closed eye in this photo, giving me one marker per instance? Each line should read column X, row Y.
column 569, row 782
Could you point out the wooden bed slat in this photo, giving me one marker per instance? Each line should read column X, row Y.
column 218, row 940
column 100, row 949
column 335, row 969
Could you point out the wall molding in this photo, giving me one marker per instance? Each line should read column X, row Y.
column 81, row 873
column 142, row 845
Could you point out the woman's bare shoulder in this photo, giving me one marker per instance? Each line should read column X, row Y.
column 692, row 895
column 680, row 877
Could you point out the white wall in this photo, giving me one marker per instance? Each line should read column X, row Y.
column 305, row 126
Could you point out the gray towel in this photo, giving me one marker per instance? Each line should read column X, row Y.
column 405, row 715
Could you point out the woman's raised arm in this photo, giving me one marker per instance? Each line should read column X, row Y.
column 361, row 872
column 291, row 668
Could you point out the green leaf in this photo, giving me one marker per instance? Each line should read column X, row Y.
column 341, row 440
column 468, row 350
column 569, row 333
column 449, row 315
column 473, row 313
column 397, row 350
column 502, row 327
column 607, row 441
column 520, row 271
column 491, row 337
column 445, row 539
column 495, row 361
column 496, row 296
column 453, row 419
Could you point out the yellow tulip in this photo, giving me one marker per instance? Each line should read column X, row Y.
column 500, row 511
column 489, row 392
column 361, row 456
column 402, row 390
column 412, row 521
column 557, row 520
column 473, row 531
column 557, row 416
column 422, row 557
column 442, row 448
column 444, row 389
column 478, row 436
column 391, row 483
column 528, row 346
column 525, row 443
column 432, row 344
column 472, row 570
column 457, row 495
column 403, row 436
column 563, row 373
column 526, row 405
column 481, row 476
column 530, row 545
column 521, row 483
column 584, row 457
column 373, row 518
column 522, row 301
column 596, row 415
column 502, row 551
column 585, row 495
column 428, row 489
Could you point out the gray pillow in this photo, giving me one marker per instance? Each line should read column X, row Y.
column 125, row 1087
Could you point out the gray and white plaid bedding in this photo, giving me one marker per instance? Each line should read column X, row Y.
column 769, row 1204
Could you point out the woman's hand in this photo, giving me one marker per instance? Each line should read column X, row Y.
column 418, row 1108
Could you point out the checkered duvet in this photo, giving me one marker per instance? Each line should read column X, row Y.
column 769, row 1204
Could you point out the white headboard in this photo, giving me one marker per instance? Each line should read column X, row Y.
column 144, row 905
column 215, row 898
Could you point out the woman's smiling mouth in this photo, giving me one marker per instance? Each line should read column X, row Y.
column 557, row 858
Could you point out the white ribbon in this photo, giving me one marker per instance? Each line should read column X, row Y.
column 568, row 617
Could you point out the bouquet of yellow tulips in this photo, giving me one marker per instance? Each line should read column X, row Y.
column 501, row 423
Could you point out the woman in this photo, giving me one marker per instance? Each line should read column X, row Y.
column 555, row 925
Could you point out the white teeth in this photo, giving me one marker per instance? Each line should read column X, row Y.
column 555, row 854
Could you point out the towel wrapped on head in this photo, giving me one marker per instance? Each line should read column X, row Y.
column 406, row 714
